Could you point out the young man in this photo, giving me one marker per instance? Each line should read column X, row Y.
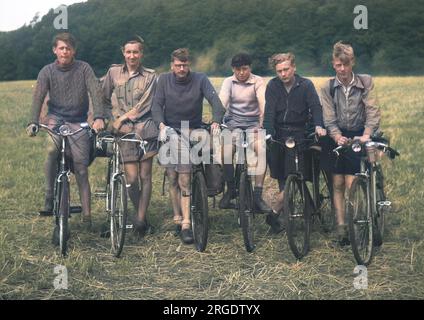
column 179, row 97
column 134, row 86
column 350, row 111
column 243, row 96
column 68, row 82
column 290, row 101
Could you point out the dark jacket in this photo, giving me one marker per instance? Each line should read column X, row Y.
column 292, row 109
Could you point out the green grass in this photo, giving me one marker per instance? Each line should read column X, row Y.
column 160, row 267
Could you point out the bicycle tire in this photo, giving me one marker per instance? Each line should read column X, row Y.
column 64, row 208
column 380, row 214
column 324, row 197
column 118, row 215
column 297, row 216
column 199, row 211
column 246, row 211
column 360, row 220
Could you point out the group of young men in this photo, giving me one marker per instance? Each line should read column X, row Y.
column 132, row 98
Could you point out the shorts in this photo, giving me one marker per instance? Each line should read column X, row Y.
column 232, row 123
column 349, row 162
column 131, row 151
column 79, row 145
column 175, row 154
column 281, row 160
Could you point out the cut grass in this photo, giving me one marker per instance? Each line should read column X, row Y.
column 160, row 267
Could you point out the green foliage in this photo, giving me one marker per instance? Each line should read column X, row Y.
column 217, row 29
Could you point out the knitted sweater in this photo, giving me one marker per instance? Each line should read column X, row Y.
column 182, row 100
column 68, row 88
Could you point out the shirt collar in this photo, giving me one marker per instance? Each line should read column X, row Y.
column 352, row 82
column 139, row 71
column 250, row 80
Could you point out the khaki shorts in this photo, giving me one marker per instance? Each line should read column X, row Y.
column 79, row 145
column 174, row 159
column 131, row 151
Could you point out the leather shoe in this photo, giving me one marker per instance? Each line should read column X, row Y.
column 273, row 220
column 142, row 228
column 261, row 206
column 225, row 202
column 186, row 236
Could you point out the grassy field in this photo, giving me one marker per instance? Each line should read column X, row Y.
column 160, row 267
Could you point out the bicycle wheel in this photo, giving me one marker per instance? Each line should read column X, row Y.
column 324, row 201
column 297, row 216
column 118, row 215
column 359, row 216
column 199, row 211
column 246, row 211
column 379, row 216
column 64, row 207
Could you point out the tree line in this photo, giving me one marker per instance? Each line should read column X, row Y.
column 214, row 30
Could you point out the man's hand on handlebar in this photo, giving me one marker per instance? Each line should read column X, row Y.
column 362, row 139
column 32, row 129
column 98, row 125
column 321, row 132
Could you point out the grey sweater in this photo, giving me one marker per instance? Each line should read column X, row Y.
column 68, row 89
column 177, row 100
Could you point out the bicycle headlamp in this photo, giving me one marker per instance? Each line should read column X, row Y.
column 290, row 143
column 65, row 130
column 356, row 147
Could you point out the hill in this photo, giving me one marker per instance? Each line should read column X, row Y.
column 216, row 29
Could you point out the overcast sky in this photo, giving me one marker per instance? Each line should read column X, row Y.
column 15, row 13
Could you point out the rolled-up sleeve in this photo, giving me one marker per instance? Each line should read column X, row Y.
column 260, row 95
column 225, row 92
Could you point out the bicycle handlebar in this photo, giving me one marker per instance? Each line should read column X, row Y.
column 357, row 145
column 64, row 129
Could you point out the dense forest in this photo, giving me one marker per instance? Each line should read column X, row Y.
column 214, row 30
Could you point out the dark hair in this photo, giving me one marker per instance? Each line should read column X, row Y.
column 134, row 39
column 181, row 54
column 241, row 59
column 66, row 37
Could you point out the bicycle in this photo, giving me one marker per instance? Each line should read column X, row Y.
column 367, row 202
column 244, row 198
column 61, row 199
column 199, row 209
column 115, row 192
column 299, row 206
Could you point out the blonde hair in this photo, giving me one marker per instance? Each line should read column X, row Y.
column 280, row 58
column 343, row 52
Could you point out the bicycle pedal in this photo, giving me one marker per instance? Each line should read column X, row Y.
column 75, row 209
column 129, row 226
column 386, row 204
column 100, row 194
column 128, row 185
